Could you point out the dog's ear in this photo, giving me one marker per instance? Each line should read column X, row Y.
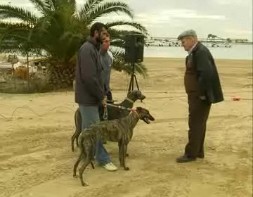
column 138, row 93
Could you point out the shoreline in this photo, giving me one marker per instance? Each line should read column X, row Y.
column 178, row 58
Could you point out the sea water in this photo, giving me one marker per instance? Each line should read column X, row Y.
column 236, row 51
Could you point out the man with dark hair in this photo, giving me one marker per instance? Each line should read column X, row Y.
column 89, row 87
column 203, row 88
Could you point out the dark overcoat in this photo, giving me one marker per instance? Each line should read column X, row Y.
column 206, row 72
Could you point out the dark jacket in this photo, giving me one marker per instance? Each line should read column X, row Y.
column 201, row 74
column 89, row 89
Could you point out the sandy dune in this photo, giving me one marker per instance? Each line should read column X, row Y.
column 36, row 158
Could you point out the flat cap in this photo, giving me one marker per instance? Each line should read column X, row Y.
column 186, row 33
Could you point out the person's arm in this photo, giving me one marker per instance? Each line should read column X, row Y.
column 89, row 73
column 204, row 71
column 110, row 54
column 108, row 72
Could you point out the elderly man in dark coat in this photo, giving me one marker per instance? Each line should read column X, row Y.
column 203, row 88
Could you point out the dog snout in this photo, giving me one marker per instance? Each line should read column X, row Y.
column 151, row 117
column 148, row 118
column 142, row 97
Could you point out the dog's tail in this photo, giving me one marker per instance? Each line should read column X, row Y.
column 78, row 121
column 78, row 125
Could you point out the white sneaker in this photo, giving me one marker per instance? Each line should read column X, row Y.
column 110, row 167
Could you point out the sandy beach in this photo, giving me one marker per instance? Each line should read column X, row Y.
column 36, row 158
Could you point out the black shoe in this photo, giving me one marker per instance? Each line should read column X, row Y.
column 184, row 159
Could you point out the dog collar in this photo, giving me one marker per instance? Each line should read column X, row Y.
column 130, row 100
column 134, row 111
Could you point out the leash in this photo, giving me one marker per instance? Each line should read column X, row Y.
column 105, row 115
column 120, row 107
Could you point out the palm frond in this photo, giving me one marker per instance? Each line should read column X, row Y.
column 89, row 5
column 10, row 30
column 118, row 37
column 63, row 6
column 51, row 4
column 137, row 26
column 108, row 8
column 40, row 6
column 7, row 11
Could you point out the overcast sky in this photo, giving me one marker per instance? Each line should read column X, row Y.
column 224, row 18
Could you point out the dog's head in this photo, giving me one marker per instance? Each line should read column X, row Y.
column 144, row 115
column 136, row 95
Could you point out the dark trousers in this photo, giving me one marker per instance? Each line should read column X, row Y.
column 198, row 115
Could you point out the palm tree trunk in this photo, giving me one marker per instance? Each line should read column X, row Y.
column 61, row 75
column 27, row 66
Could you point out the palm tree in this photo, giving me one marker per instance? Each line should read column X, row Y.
column 58, row 30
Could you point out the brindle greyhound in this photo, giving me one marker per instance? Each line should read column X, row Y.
column 119, row 130
column 113, row 113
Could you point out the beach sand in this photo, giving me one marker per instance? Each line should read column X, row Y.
column 36, row 158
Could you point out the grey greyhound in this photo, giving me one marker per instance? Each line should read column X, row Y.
column 113, row 113
column 119, row 130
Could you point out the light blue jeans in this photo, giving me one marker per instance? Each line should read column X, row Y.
column 90, row 115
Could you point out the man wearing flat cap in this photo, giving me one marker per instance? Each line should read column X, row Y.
column 203, row 88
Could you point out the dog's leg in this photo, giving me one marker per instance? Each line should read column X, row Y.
column 130, row 137
column 92, row 165
column 124, row 149
column 81, row 170
column 122, row 154
column 127, row 155
column 77, row 136
column 82, row 155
